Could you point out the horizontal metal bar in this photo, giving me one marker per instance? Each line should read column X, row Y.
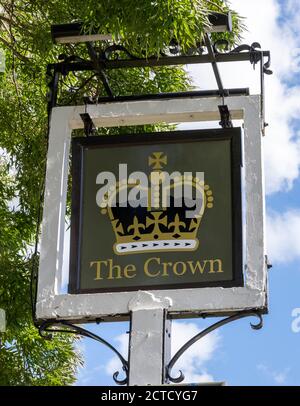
column 178, row 60
column 198, row 93
column 162, row 61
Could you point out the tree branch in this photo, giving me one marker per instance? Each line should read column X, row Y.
column 7, row 20
column 15, row 52
column 219, row 8
column 16, row 24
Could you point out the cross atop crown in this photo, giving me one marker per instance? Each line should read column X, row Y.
column 157, row 160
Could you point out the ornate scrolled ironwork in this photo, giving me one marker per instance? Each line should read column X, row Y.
column 46, row 331
column 221, row 43
column 221, row 46
column 174, row 49
column 202, row 334
column 115, row 56
column 255, row 55
column 114, row 50
column 112, row 56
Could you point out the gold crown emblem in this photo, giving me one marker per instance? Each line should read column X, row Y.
column 156, row 227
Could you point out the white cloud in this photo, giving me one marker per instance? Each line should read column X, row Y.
column 114, row 363
column 192, row 363
column 86, row 376
column 292, row 8
column 282, row 143
column 283, row 239
column 279, row 377
column 194, row 360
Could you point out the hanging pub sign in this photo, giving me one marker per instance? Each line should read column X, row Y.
column 156, row 211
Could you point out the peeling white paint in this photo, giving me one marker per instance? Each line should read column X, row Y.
column 147, row 300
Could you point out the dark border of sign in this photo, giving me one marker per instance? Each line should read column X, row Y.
column 78, row 145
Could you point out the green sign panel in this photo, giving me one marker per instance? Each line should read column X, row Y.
column 156, row 211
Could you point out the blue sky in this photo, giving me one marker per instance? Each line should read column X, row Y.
column 236, row 353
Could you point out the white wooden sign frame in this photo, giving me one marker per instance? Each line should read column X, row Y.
column 51, row 304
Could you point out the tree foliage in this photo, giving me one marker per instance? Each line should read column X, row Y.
column 145, row 27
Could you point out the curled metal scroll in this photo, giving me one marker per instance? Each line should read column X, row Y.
column 113, row 50
column 256, row 55
column 174, row 49
column 46, row 331
column 220, row 46
column 202, row 334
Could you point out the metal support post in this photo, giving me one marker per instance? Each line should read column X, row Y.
column 150, row 339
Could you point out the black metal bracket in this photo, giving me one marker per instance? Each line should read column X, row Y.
column 197, row 337
column 47, row 329
column 98, row 68
column 211, row 52
column 257, row 55
column 116, row 56
column 225, row 116
column 89, row 128
column 268, row 264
